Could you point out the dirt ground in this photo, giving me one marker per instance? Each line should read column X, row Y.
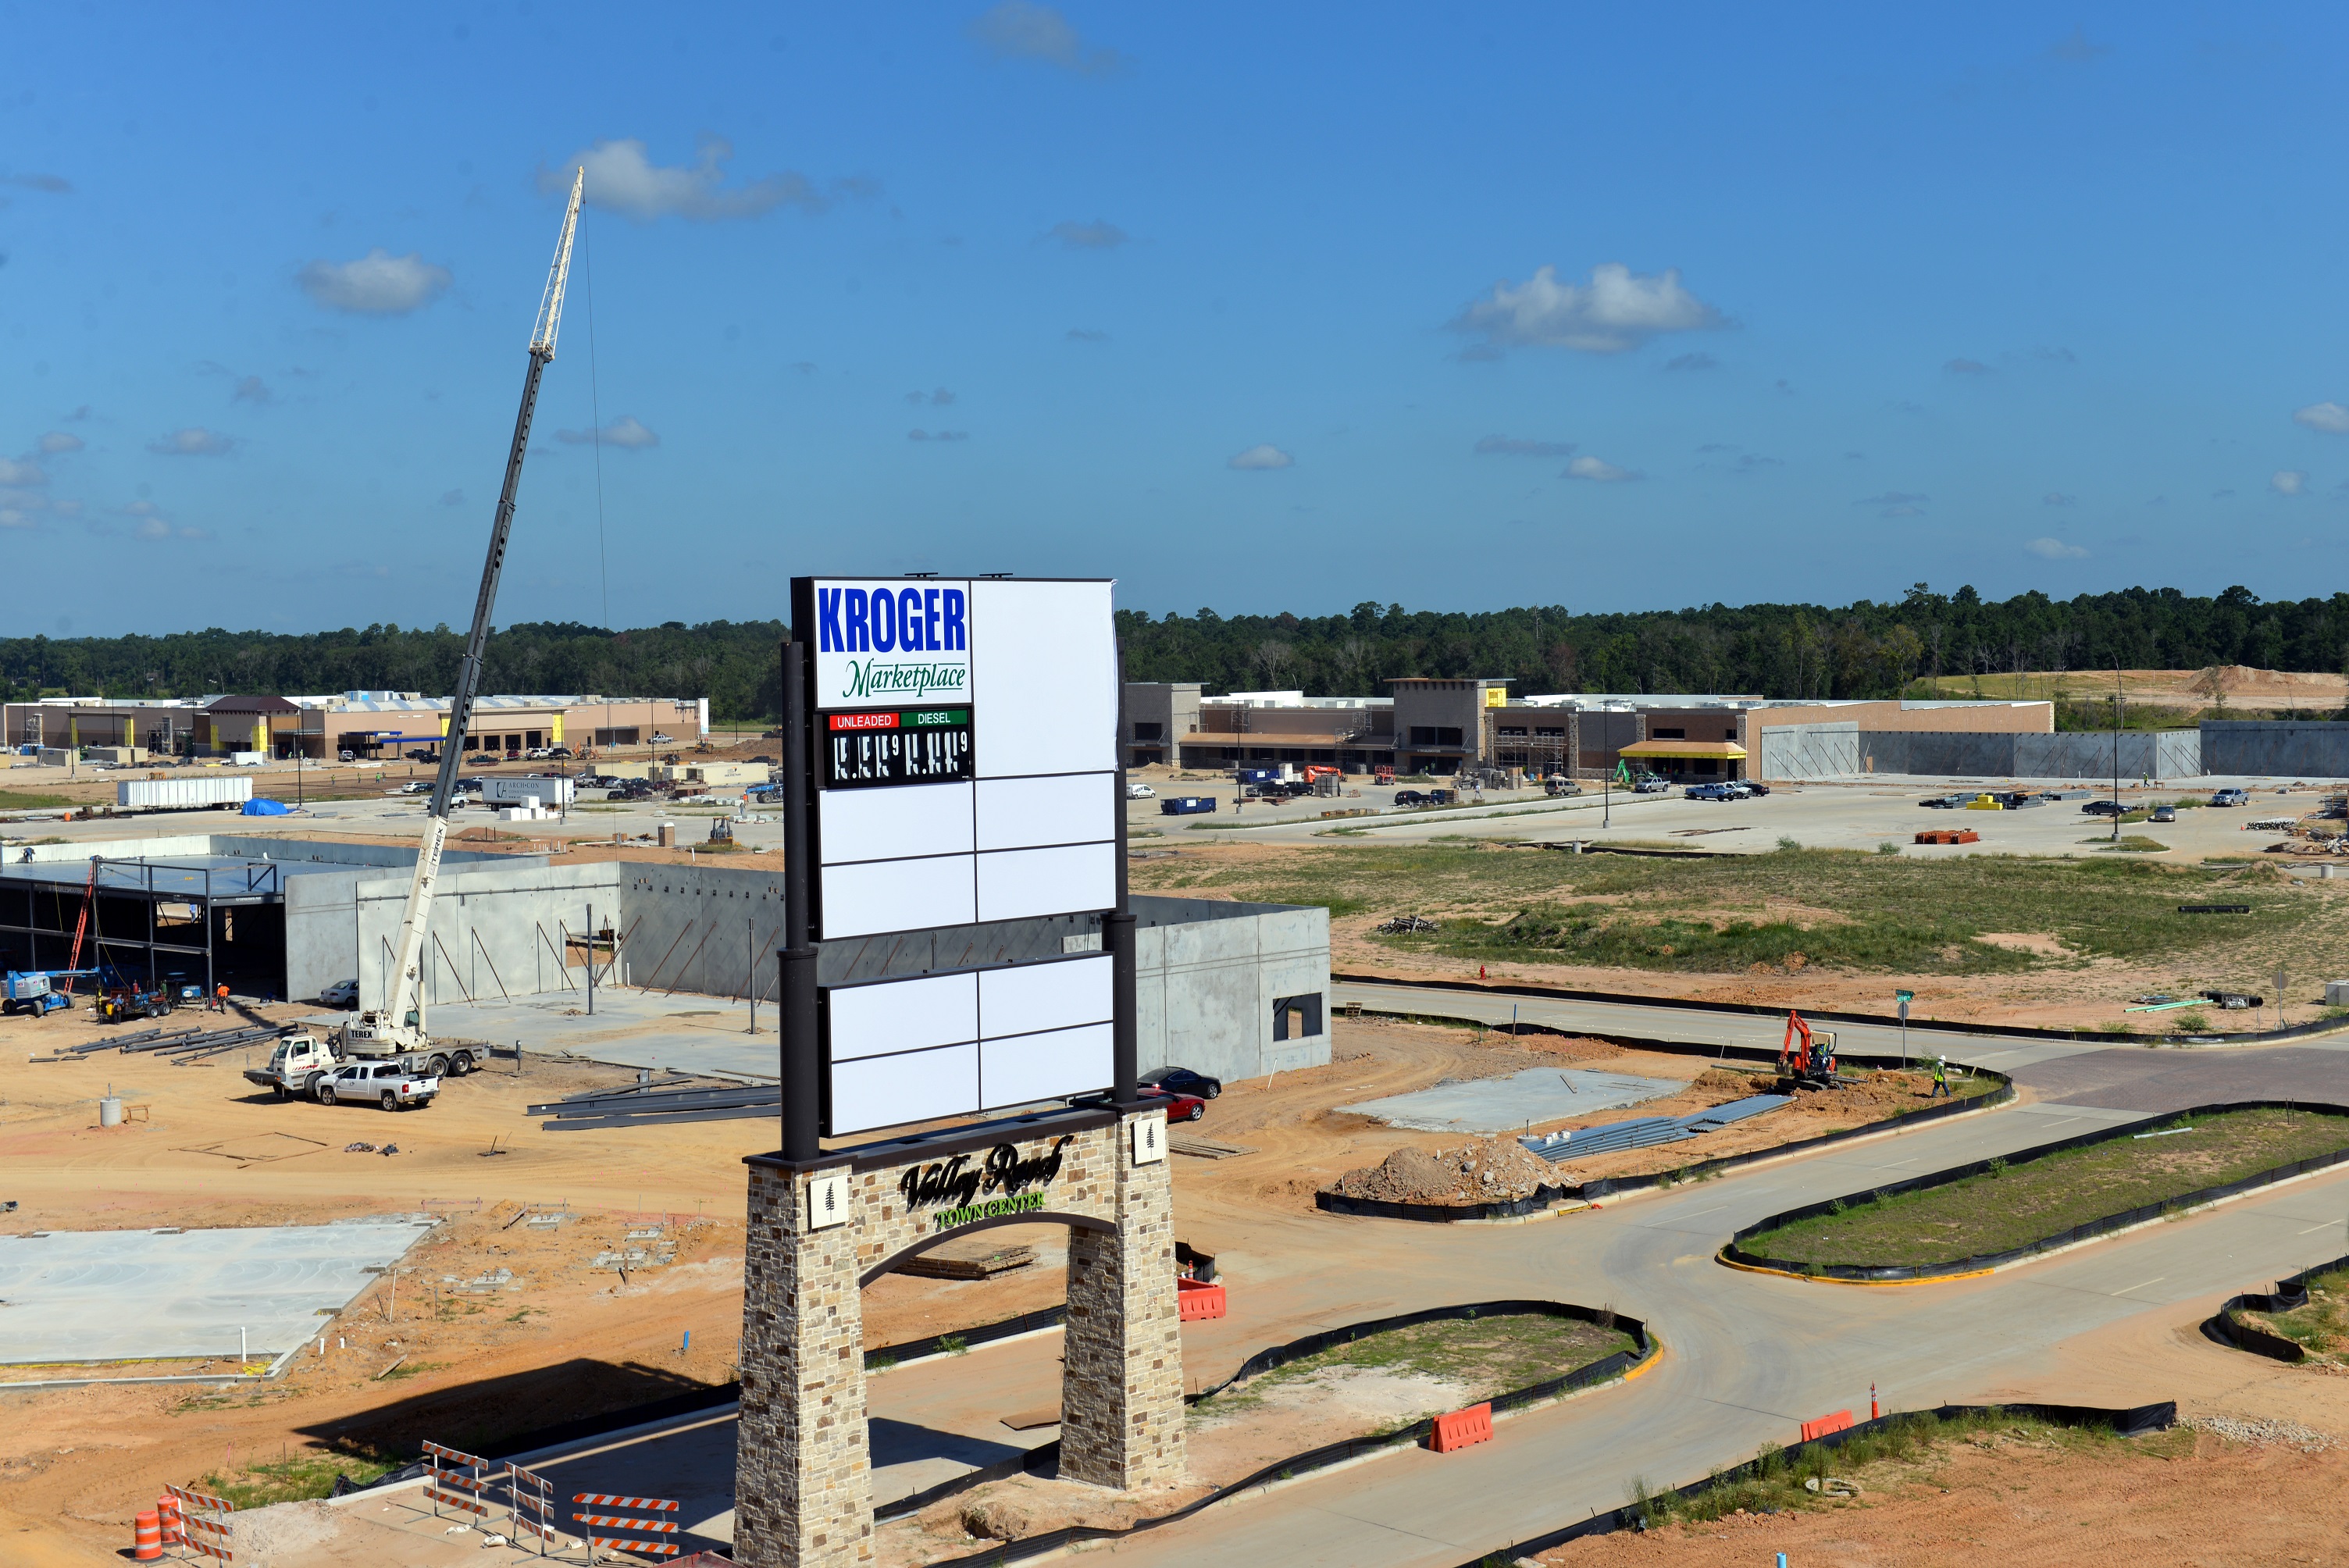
column 2191, row 1498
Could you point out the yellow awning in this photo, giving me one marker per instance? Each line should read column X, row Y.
column 1722, row 749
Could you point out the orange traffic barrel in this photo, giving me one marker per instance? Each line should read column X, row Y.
column 173, row 1520
column 147, row 1539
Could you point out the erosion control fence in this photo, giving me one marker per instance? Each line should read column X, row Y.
column 1743, row 1248
column 1042, row 1460
column 2125, row 1423
column 2229, row 1328
column 1542, row 1196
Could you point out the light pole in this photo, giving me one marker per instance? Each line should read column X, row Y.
column 2117, row 748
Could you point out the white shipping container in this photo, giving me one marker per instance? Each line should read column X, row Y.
column 184, row 794
column 508, row 790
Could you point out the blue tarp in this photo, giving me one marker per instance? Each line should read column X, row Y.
column 258, row 807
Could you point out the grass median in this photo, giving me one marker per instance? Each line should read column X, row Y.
column 1783, row 910
column 1475, row 1358
column 2010, row 1206
column 2321, row 1329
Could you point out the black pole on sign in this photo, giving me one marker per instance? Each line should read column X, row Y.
column 796, row 1023
column 1117, row 937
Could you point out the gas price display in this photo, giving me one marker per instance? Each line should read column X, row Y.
column 896, row 745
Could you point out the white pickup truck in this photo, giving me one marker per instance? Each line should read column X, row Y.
column 304, row 1065
column 390, row 1084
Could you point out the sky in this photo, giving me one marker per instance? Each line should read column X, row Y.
column 1256, row 308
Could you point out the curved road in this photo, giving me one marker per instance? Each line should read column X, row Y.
column 1748, row 1357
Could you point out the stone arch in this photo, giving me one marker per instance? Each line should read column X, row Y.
column 1041, row 1217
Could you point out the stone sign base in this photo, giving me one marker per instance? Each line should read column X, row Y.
column 820, row 1230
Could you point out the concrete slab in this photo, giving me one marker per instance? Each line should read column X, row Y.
column 1507, row 1104
column 134, row 1295
column 631, row 1028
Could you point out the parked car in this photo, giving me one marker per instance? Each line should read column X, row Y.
column 1651, row 786
column 346, row 756
column 1182, row 1081
column 416, row 787
column 483, row 760
column 390, row 1085
column 2103, row 808
column 2231, row 798
column 1755, row 787
column 559, row 753
column 1140, row 792
column 433, row 758
column 2165, row 813
column 763, row 757
column 1708, row 792
column 539, row 753
column 1179, row 1106
column 1443, row 797
column 341, row 994
column 1413, row 797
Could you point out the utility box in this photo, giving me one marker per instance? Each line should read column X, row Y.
column 120, row 755
column 53, row 757
column 245, row 758
column 2336, row 992
column 227, row 792
column 511, row 789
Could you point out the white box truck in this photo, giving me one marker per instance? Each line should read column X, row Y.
column 227, row 792
column 511, row 789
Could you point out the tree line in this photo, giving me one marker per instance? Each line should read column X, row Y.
column 1864, row 649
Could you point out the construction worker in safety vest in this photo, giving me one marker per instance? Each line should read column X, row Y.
column 220, row 998
column 1941, row 1078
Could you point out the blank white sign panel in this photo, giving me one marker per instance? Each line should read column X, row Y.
column 887, row 1091
column 903, row 1016
column 893, row 824
column 1015, row 884
column 873, row 896
column 1033, row 997
column 1046, row 653
column 1044, row 1066
column 1062, row 809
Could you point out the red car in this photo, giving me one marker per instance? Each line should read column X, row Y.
column 1179, row 1106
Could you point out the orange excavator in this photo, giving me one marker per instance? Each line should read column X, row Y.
column 1807, row 1061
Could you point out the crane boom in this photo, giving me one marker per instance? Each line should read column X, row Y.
column 399, row 1024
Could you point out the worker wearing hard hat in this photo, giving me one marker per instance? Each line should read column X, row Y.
column 1940, row 1077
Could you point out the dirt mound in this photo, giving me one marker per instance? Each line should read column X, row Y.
column 1486, row 1171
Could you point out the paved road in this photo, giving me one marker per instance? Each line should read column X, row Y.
column 1748, row 1357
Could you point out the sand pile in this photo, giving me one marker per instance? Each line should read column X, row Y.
column 1485, row 1171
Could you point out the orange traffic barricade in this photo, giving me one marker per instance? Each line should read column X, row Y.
column 1839, row 1422
column 1462, row 1427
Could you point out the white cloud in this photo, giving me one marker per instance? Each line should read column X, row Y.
column 377, row 283
column 1096, row 235
column 2288, row 481
column 57, row 442
column 252, row 389
column 195, row 441
column 1593, row 469
column 1266, row 456
column 2328, row 417
column 622, row 178
column 623, row 431
column 1618, row 309
column 1510, row 446
column 16, row 475
column 14, row 516
column 2056, row 549
column 1022, row 30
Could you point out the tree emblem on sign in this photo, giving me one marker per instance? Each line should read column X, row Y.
column 1150, row 1134
column 829, row 1188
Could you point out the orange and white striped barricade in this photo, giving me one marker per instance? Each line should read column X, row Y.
column 530, row 1507
column 458, row 1479
column 603, row 1514
column 204, row 1523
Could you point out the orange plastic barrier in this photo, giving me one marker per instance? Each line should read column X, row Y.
column 174, row 1521
column 1839, row 1422
column 1949, row 836
column 1462, row 1427
column 1199, row 1301
column 147, row 1538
